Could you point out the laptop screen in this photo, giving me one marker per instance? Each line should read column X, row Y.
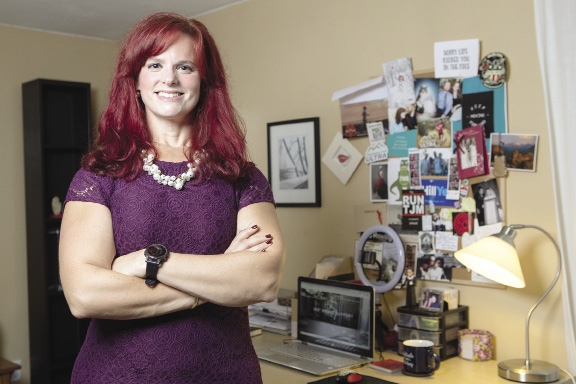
column 336, row 315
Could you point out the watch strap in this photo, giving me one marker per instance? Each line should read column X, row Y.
column 151, row 273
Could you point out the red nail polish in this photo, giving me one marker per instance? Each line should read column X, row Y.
column 268, row 236
column 269, row 242
column 254, row 226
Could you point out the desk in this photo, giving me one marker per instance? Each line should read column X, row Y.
column 452, row 371
column 6, row 369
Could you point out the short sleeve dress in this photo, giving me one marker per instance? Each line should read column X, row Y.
column 209, row 344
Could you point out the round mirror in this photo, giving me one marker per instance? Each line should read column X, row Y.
column 379, row 258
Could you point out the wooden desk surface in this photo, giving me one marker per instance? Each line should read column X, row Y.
column 451, row 371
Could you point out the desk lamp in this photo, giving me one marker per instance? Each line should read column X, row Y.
column 495, row 258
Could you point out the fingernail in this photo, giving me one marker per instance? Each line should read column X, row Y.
column 268, row 236
column 269, row 242
column 263, row 250
column 254, row 226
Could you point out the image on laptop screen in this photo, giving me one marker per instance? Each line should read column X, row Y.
column 336, row 315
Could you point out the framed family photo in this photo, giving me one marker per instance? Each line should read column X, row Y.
column 294, row 162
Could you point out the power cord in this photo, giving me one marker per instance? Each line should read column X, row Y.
column 383, row 296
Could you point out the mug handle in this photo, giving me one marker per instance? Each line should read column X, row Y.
column 436, row 359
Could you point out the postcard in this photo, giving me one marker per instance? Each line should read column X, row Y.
column 434, row 133
column 489, row 209
column 482, row 106
column 400, row 82
column 361, row 104
column 435, row 192
column 446, row 241
column 414, row 163
column 426, row 90
column 398, row 179
column 400, row 143
column 378, row 182
column 453, row 192
column 462, row 222
column 412, row 209
column 519, row 151
column 458, row 58
column 368, row 215
column 378, row 150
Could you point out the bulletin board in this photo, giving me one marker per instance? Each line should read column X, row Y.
column 443, row 131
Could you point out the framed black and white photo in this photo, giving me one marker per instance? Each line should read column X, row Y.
column 294, row 162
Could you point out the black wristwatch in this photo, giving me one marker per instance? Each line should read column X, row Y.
column 155, row 255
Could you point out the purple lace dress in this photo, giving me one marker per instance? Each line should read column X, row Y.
column 209, row 344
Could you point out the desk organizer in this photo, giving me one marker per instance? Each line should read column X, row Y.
column 439, row 327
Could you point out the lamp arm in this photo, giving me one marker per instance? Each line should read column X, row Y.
column 554, row 281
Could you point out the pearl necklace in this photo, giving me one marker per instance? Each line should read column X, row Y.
column 176, row 182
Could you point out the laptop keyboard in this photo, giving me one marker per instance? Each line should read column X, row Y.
column 305, row 352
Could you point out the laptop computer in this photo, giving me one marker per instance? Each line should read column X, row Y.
column 335, row 328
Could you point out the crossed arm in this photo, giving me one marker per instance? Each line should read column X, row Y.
column 98, row 285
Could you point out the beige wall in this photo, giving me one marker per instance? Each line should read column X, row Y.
column 285, row 59
column 27, row 55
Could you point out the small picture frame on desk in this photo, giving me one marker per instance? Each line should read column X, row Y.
column 431, row 299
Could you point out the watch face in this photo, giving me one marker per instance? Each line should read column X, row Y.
column 157, row 251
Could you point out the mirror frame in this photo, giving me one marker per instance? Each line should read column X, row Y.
column 380, row 288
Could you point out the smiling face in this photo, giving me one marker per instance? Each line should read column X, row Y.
column 169, row 83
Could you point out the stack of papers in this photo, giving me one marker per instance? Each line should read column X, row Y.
column 271, row 317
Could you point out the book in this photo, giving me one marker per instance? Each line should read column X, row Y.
column 387, row 365
column 255, row 331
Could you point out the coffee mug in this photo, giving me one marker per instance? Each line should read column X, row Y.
column 420, row 358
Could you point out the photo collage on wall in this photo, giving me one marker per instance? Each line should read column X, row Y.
column 446, row 146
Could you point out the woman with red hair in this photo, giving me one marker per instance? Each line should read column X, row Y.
column 169, row 231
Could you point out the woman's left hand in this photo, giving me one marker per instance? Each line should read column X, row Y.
column 248, row 239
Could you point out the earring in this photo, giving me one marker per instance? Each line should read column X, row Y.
column 138, row 93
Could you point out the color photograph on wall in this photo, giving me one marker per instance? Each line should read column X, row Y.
column 519, row 151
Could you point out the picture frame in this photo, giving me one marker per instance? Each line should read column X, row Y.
column 294, row 162
column 472, row 152
column 432, row 299
column 342, row 158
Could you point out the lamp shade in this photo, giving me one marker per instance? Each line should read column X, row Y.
column 495, row 259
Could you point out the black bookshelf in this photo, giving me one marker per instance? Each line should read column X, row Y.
column 57, row 125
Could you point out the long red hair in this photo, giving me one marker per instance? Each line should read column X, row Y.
column 218, row 130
